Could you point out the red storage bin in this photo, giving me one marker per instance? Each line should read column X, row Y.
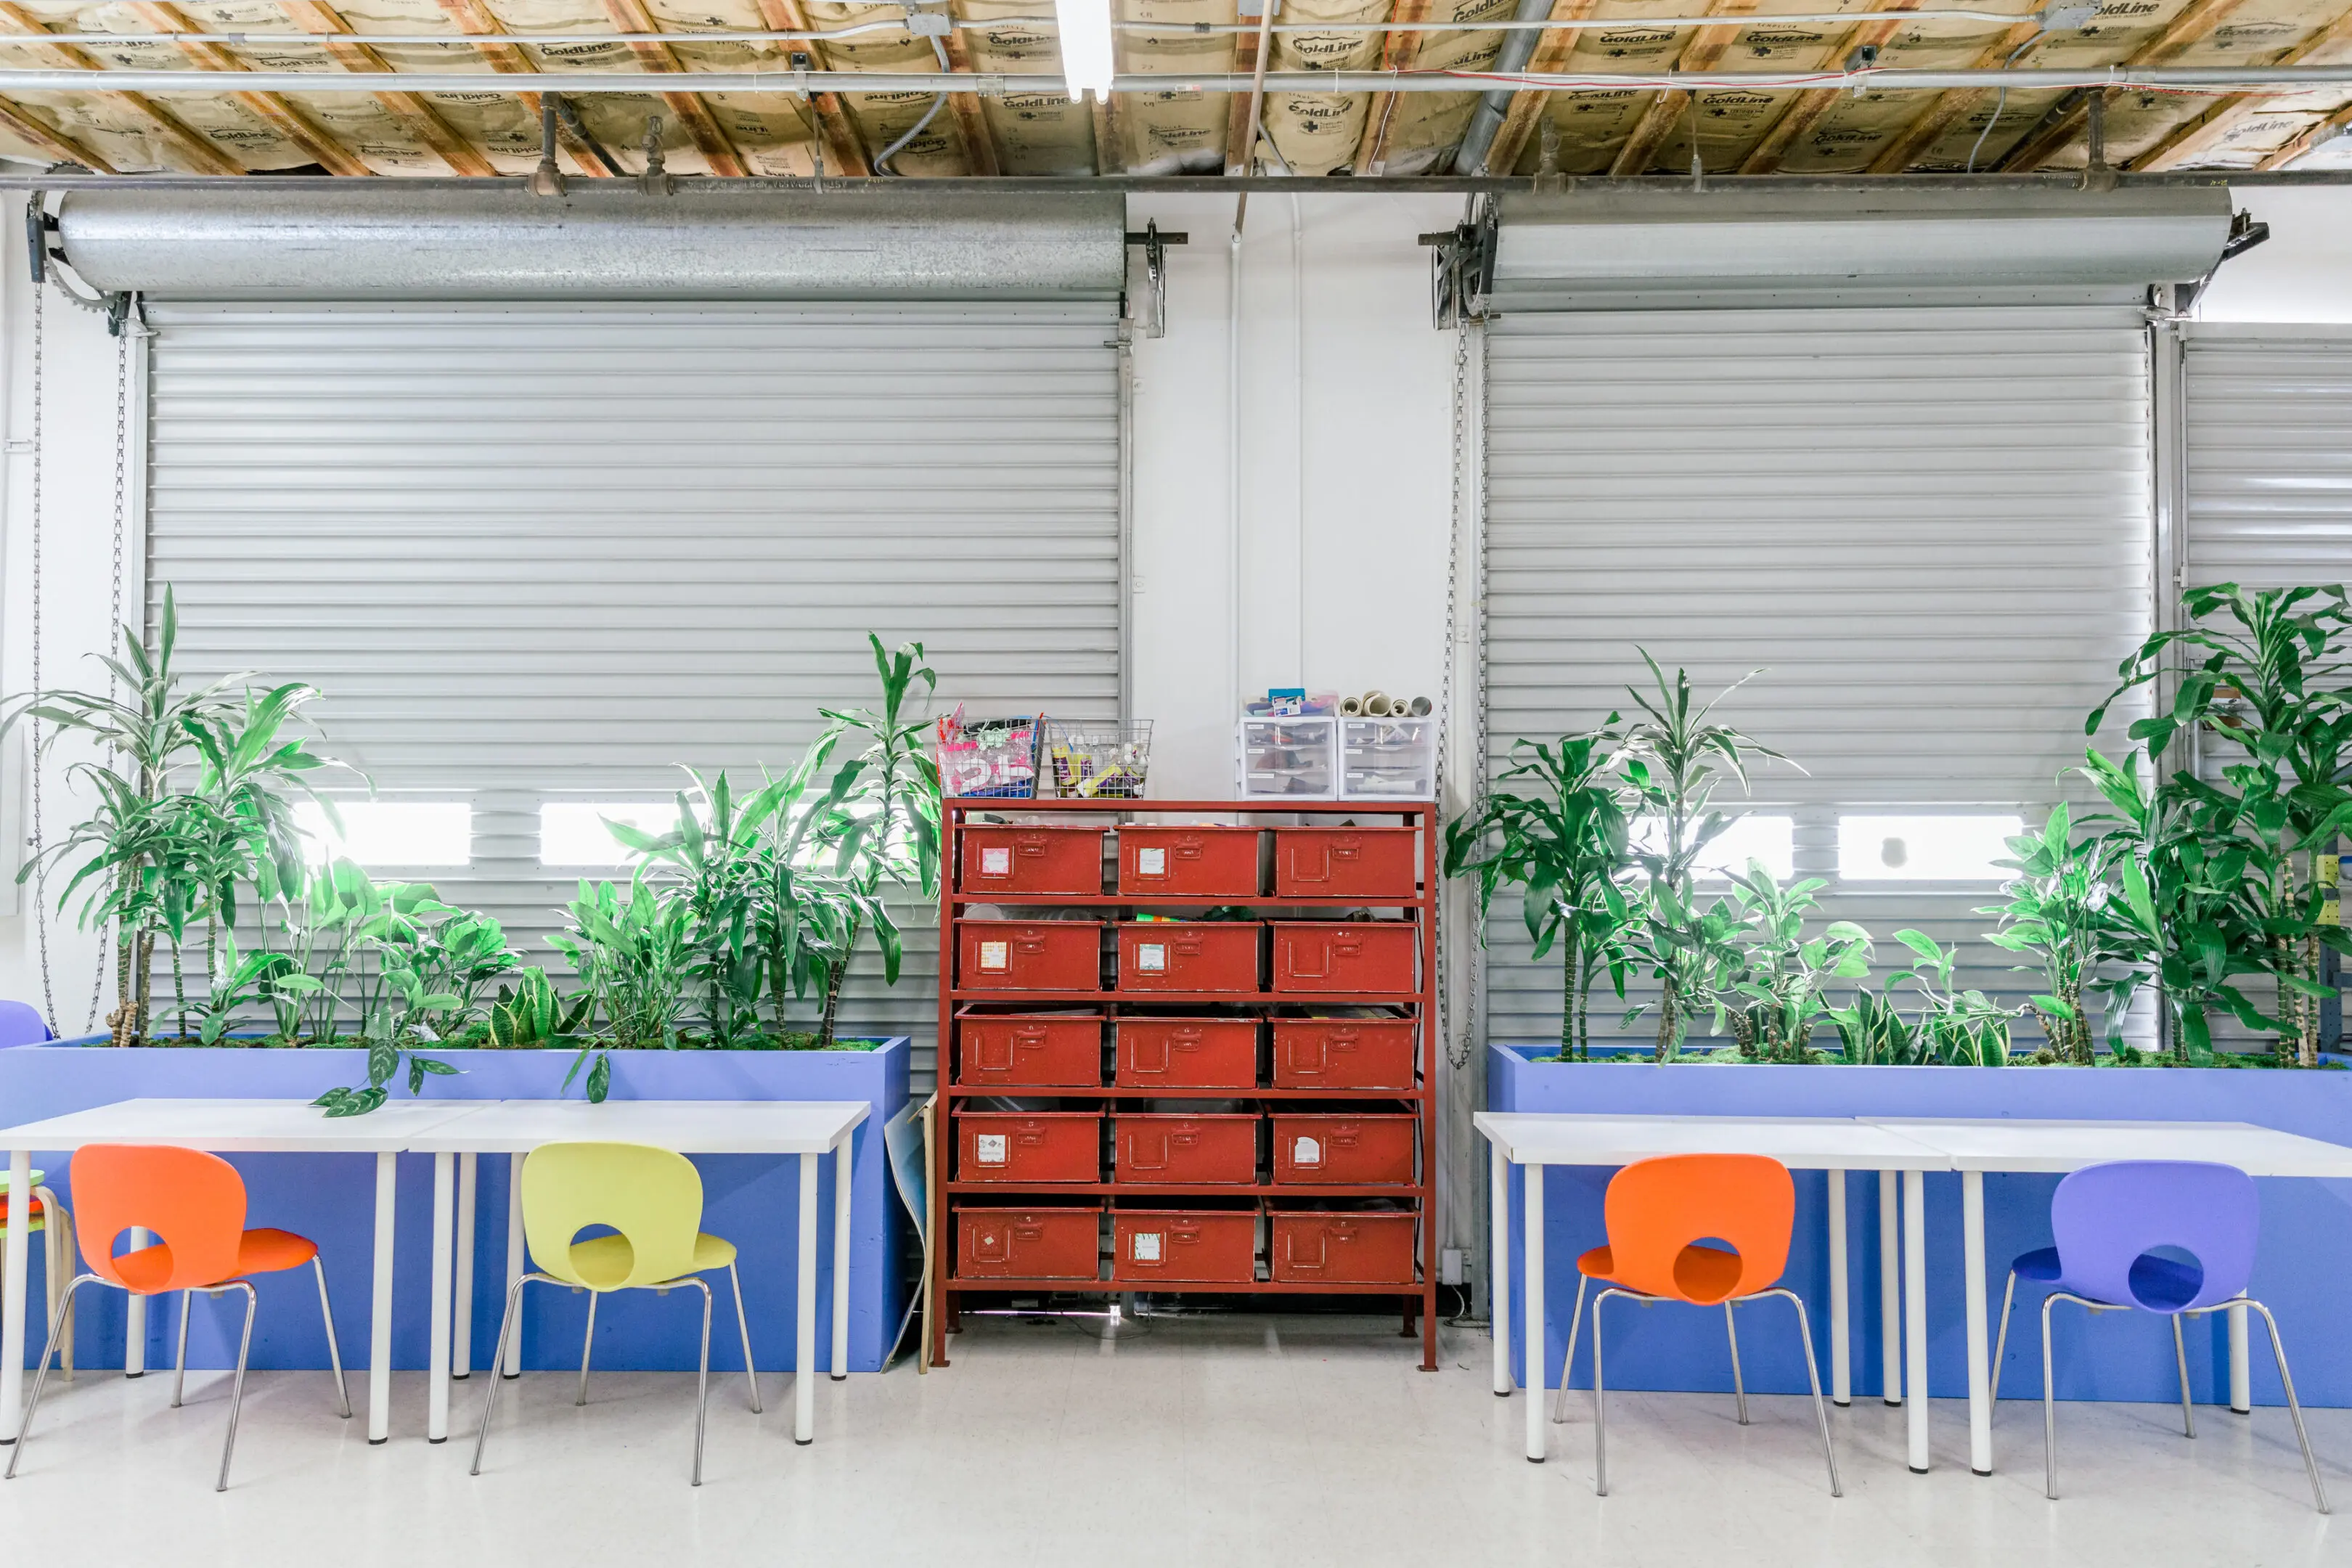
column 1204, row 862
column 1344, row 1151
column 1187, row 1053
column 1350, row 956
column 1182, row 955
column 1169, row 1151
column 1028, row 1244
column 1376, row 863
column 1343, row 1053
column 1029, row 1146
column 1194, row 1247
column 1345, row 1249
column 1019, row 955
column 1013, row 1051
column 1058, row 860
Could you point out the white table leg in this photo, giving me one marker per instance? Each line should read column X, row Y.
column 517, row 1251
column 1972, row 1248
column 804, row 1311
column 2242, row 1370
column 387, row 1171
column 1532, row 1327
column 1841, row 1297
column 841, row 1196
column 19, row 1262
column 436, row 1396
column 461, row 1330
column 1498, row 1268
column 1915, row 1313
column 1890, row 1294
column 135, row 1334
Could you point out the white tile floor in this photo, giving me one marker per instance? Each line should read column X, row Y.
column 1217, row 1442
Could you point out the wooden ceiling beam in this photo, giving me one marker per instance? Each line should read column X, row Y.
column 324, row 149
column 415, row 115
column 2324, row 130
column 207, row 158
column 1809, row 106
column 31, row 131
column 2193, row 139
column 1947, row 107
column 1398, row 52
column 1527, row 104
column 717, row 153
column 833, row 122
column 1704, row 48
column 979, row 141
column 2195, row 23
column 1245, row 112
column 508, row 59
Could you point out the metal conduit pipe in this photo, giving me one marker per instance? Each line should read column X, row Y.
column 1470, row 157
column 1015, row 187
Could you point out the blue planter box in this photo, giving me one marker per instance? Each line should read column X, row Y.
column 2307, row 1250
column 751, row 1200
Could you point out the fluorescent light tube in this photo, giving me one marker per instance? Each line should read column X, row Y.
column 1084, row 26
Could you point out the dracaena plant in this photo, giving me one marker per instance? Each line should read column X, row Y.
column 194, row 783
column 2057, row 913
column 1561, row 838
column 1674, row 758
column 1773, row 987
column 2263, row 679
column 632, row 955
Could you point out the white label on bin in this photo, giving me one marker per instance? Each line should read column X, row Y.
column 1145, row 1246
column 1151, row 862
column 1305, row 1152
column 988, row 1148
column 1151, row 957
column 996, row 955
column 996, row 861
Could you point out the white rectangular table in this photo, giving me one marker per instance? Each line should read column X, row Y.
column 1536, row 1140
column 1974, row 1147
column 219, row 1126
column 809, row 1128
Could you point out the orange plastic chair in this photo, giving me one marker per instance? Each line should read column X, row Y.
column 195, row 1203
column 1658, row 1213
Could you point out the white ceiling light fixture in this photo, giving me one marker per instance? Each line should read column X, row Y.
column 1084, row 28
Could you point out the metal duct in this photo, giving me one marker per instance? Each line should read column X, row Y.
column 1608, row 249
column 605, row 241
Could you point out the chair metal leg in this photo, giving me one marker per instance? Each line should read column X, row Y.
column 702, row 1384
column 41, row 1377
column 2180, row 1359
column 491, row 1401
column 1814, row 1376
column 587, row 1342
column 1600, row 1407
column 2000, row 1342
column 2049, row 1406
column 236, row 1388
column 1739, row 1382
column 743, row 1323
column 2293, row 1406
column 61, row 1227
column 1575, row 1323
column 180, row 1363
column 334, row 1350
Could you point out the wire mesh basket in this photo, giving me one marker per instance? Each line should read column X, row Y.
column 995, row 758
column 1095, row 759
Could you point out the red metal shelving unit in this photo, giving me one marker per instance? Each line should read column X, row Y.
column 965, row 995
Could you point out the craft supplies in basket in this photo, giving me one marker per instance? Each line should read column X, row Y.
column 990, row 757
column 1096, row 759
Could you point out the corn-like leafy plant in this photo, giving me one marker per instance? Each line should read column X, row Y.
column 2057, row 914
column 1773, row 985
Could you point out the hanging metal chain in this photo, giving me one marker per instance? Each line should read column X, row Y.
column 33, row 740
column 114, row 605
column 1456, row 1053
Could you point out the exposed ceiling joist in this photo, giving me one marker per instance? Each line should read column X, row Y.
column 207, row 158
column 1527, row 104
column 1947, row 107
column 1809, row 106
column 978, row 140
column 416, row 116
column 281, row 116
column 508, row 59
column 33, row 133
column 847, row 149
column 1398, row 52
column 2194, row 24
column 717, row 153
column 2196, row 138
column 1701, row 53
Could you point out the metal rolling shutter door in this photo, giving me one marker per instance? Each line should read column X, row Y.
column 2270, row 455
column 1929, row 526
column 533, row 551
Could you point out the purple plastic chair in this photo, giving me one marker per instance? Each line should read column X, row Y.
column 21, row 1024
column 2109, row 1220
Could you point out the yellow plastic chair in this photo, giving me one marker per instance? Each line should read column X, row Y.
column 653, row 1199
column 54, row 1227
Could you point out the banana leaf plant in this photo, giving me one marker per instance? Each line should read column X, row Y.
column 2264, row 679
column 2057, row 914
column 1674, row 759
column 1564, row 843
